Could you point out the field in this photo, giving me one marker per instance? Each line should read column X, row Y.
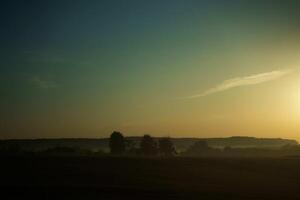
column 151, row 178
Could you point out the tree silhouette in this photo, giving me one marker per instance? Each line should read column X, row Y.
column 166, row 147
column 117, row 143
column 148, row 146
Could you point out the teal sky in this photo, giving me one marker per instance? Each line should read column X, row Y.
column 167, row 68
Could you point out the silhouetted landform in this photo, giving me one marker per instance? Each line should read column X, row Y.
column 149, row 146
column 181, row 144
column 236, row 141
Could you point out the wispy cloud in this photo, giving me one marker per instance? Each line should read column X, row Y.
column 42, row 83
column 243, row 81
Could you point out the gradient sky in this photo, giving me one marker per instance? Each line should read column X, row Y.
column 176, row 68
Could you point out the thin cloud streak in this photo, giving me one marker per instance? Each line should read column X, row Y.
column 243, row 81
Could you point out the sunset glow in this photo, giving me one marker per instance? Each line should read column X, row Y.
column 166, row 68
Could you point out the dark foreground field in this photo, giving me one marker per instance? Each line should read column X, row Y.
column 141, row 178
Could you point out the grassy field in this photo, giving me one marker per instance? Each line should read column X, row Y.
column 151, row 178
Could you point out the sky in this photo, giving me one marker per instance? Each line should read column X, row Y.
column 82, row 69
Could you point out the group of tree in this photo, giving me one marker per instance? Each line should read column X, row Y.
column 148, row 146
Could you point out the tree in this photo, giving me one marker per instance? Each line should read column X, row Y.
column 166, row 147
column 117, row 143
column 148, row 146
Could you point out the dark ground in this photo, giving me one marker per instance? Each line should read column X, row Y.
column 150, row 178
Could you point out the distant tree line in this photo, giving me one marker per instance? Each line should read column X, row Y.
column 148, row 146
